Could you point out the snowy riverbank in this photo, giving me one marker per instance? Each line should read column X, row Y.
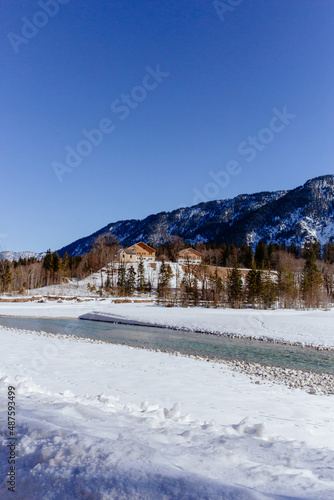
column 311, row 327
column 102, row 421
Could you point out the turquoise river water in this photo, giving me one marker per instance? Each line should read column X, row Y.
column 225, row 348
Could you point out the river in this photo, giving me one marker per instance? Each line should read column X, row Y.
column 189, row 343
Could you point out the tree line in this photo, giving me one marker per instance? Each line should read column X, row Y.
column 272, row 275
column 28, row 274
column 290, row 286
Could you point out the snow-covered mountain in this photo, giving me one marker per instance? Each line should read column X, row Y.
column 303, row 214
column 8, row 255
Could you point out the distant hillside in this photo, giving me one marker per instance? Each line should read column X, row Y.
column 7, row 255
column 305, row 213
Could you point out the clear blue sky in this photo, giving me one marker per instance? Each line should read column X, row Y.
column 226, row 75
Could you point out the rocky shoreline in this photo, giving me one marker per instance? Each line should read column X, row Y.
column 309, row 381
column 313, row 383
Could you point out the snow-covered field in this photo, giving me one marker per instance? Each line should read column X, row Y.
column 99, row 421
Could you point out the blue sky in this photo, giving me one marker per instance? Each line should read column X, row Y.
column 188, row 96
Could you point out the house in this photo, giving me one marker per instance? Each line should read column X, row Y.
column 134, row 253
column 189, row 256
column 125, row 256
column 143, row 251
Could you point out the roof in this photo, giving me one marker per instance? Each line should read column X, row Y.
column 126, row 250
column 144, row 246
column 190, row 250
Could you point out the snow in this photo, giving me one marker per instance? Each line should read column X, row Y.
column 79, row 288
column 305, row 327
column 8, row 255
column 105, row 421
column 102, row 421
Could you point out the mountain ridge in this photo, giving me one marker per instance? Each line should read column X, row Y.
column 299, row 215
column 25, row 254
column 305, row 213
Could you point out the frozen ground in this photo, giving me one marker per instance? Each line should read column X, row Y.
column 99, row 421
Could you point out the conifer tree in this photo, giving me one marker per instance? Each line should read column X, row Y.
column 56, row 263
column 8, row 278
column 268, row 290
column 234, row 286
column 271, row 249
column 6, row 275
column 254, row 286
column 329, row 253
column 130, row 279
column 217, row 286
column 293, row 249
column 246, row 255
column 48, row 267
column 286, row 286
column 141, row 282
column 121, row 273
column 65, row 264
column 195, row 293
column 261, row 255
column 311, row 280
column 48, row 261
column 164, row 277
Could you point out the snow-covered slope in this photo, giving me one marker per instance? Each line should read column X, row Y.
column 8, row 255
column 78, row 288
column 302, row 214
